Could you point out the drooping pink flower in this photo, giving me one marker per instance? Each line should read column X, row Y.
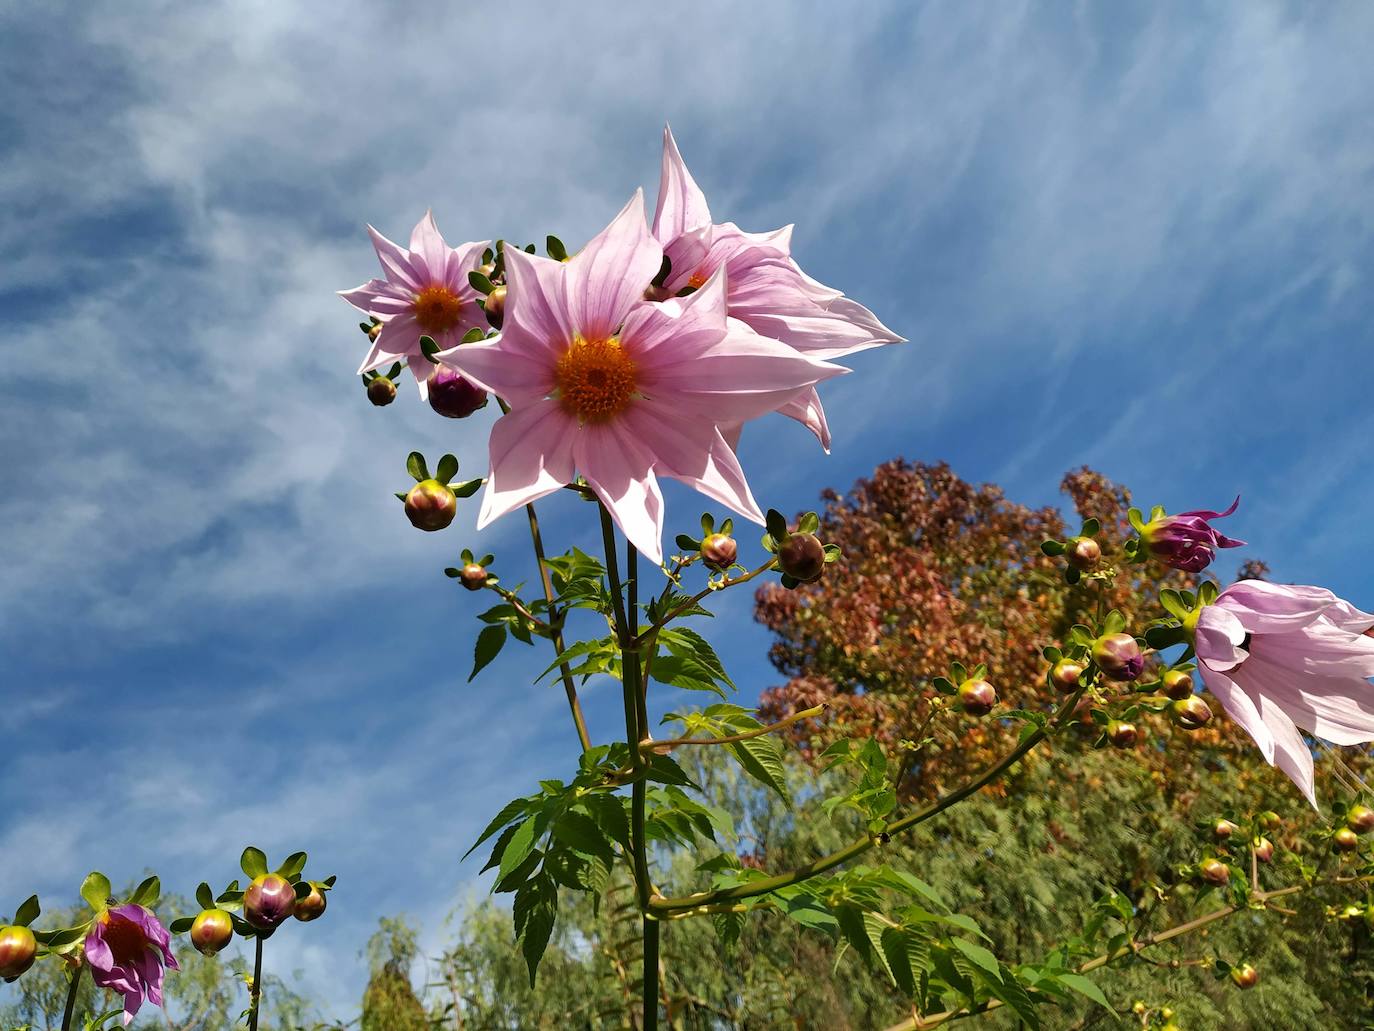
column 425, row 293
column 765, row 288
column 1281, row 657
column 620, row 389
column 127, row 949
column 1187, row 541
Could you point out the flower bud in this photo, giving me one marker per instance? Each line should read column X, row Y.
column 1118, row 656
column 1263, row 849
column 431, row 505
column 719, row 551
column 1345, row 840
column 269, row 900
column 311, row 907
column 1348, row 912
column 473, row 577
column 381, row 391
column 977, row 697
column 1190, row 713
column 1122, row 734
column 211, row 931
column 1084, row 554
column 802, row 557
column 1139, row 1008
column 1360, row 819
column 1214, row 871
column 1223, row 829
column 1167, row 1013
column 452, row 395
column 1186, row 541
column 488, row 269
column 1177, row 684
column 1245, row 976
column 1269, row 820
column 18, row 947
column 1065, row 673
column 495, row 307
column 374, row 331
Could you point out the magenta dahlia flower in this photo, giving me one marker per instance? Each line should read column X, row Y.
column 425, row 293
column 765, row 288
column 1280, row 657
column 602, row 382
column 1187, row 541
column 127, row 950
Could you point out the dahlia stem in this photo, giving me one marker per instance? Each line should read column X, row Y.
column 255, row 992
column 71, row 998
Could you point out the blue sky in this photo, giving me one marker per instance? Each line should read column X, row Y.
column 1134, row 235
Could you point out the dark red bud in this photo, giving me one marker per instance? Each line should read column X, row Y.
column 495, row 307
column 802, row 557
column 1064, row 675
column 473, row 577
column 1263, row 849
column 312, row 906
column 431, row 505
column 1214, row 871
column 1345, row 840
column 211, row 931
column 977, row 697
column 1360, row 819
column 381, row 391
column 18, row 947
column 1084, row 554
column 1177, row 684
column 1245, row 976
column 1190, row 713
column 269, row 900
column 1118, row 656
column 452, row 395
column 719, row 551
column 1122, row 734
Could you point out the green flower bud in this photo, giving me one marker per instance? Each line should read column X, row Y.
column 211, row 931
column 495, row 307
column 1223, row 829
column 18, row 947
column 1065, row 673
column 1177, row 684
column 1263, row 849
column 1084, row 554
column 381, row 391
column 1360, row 819
column 1190, row 713
column 312, row 906
column 431, row 505
column 977, row 697
column 1345, row 840
column 1122, row 734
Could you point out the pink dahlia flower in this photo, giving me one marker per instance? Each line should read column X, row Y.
column 765, row 289
column 1187, row 541
column 126, row 950
column 1280, row 657
column 602, row 382
column 425, row 293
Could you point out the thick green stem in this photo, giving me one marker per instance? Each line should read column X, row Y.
column 650, row 973
column 71, row 998
column 255, row 993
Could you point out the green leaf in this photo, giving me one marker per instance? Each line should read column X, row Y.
column 535, row 912
column 686, row 673
column 979, row 955
column 415, row 465
column 95, row 889
column 554, row 246
column 1090, row 527
column 776, row 524
column 1086, row 986
column 1052, row 548
column 182, row 924
column 467, row 488
column 512, row 809
column 582, row 833
column 489, row 644
column 895, row 947
column 808, row 523
column 253, row 862
column 293, row 865
column 874, row 926
column 683, row 641
column 448, row 468
column 28, row 911
column 761, row 758
column 521, row 844
column 480, row 282
column 429, row 348
column 205, row 896
column 147, row 893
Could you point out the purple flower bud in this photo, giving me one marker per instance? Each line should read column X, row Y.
column 1263, row 849
column 1118, row 657
column 311, row 907
column 269, row 900
column 1065, row 673
column 473, row 577
column 381, row 391
column 719, row 551
column 495, row 307
column 802, row 557
column 1187, row 541
column 977, row 697
column 431, row 505
column 211, row 931
column 18, row 947
column 452, row 395
column 1084, row 554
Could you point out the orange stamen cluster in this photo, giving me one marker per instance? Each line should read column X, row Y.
column 437, row 309
column 595, row 380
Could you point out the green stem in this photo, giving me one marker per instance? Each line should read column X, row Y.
column 557, row 635
column 650, row 973
column 752, row 889
column 71, row 998
column 255, row 993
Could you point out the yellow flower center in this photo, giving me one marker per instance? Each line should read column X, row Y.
column 697, row 279
column 437, row 309
column 595, row 379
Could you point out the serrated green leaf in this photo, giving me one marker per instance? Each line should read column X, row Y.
column 535, row 912
column 489, row 644
column 978, row 955
column 761, row 758
column 520, row 845
column 1087, row 987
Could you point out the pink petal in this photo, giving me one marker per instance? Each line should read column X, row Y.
column 1320, row 649
column 695, row 453
column 681, row 204
column 679, row 329
column 1218, row 639
column 427, row 245
column 1335, row 709
column 1265, row 608
column 378, row 297
column 396, row 263
column 463, row 259
column 421, row 368
column 806, row 409
column 502, row 367
column 537, row 317
column 98, row 953
column 1241, row 708
column 608, row 276
column 531, row 453
column 1291, row 753
column 620, row 470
